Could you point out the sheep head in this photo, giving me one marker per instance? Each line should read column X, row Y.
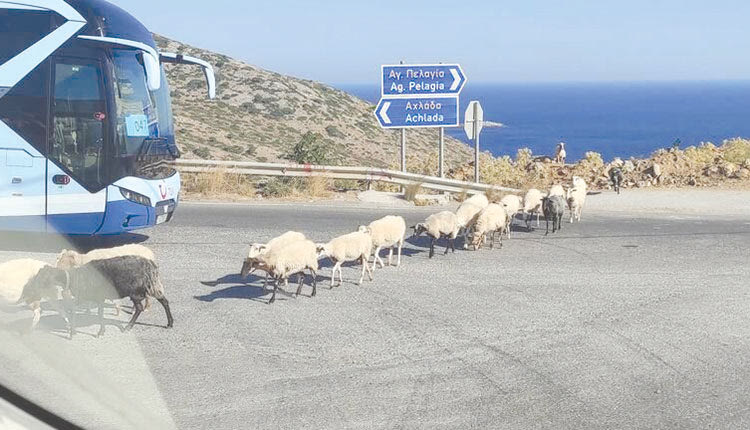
column 419, row 229
column 44, row 285
column 67, row 259
column 256, row 249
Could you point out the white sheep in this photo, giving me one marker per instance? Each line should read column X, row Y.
column 69, row 259
column 560, row 153
column 512, row 204
column 348, row 247
column 532, row 203
column 466, row 214
column 387, row 232
column 479, row 200
column 441, row 224
column 492, row 219
column 278, row 241
column 579, row 182
column 284, row 261
column 556, row 190
column 576, row 198
column 257, row 249
column 14, row 275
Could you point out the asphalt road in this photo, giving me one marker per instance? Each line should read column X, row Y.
column 622, row 321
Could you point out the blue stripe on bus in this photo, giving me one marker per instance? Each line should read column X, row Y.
column 74, row 224
column 124, row 215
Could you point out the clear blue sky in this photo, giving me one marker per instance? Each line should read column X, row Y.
column 496, row 41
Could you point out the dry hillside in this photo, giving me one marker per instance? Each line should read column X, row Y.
column 259, row 115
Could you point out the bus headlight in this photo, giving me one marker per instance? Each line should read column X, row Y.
column 135, row 197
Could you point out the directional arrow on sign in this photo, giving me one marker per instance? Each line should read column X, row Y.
column 422, row 79
column 384, row 113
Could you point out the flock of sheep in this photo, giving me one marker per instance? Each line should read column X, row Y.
column 130, row 271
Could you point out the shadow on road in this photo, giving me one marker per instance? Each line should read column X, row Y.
column 54, row 243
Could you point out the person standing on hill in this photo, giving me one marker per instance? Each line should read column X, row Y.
column 560, row 153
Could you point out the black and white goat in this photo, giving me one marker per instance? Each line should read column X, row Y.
column 99, row 280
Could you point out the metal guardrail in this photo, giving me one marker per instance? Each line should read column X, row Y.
column 335, row 172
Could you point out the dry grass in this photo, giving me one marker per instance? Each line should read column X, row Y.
column 411, row 191
column 218, row 182
column 317, row 186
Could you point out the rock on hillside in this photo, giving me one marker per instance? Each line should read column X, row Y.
column 259, row 115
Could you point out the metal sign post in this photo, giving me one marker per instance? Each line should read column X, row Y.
column 441, row 153
column 473, row 122
column 403, row 150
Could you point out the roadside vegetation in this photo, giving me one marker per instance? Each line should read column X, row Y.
column 704, row 165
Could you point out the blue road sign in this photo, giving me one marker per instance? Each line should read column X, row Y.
column 422, row 79
column 441, row 111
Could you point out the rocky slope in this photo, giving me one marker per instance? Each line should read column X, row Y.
column 259, row 115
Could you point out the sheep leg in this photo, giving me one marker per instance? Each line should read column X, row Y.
column 546, row 218
column 138, row 306
column 36, row 307
column 448, row 245
column 314, row 282
column 62, row 307
column 432, row 247
column 390, row 256
column 376, row 258
column 364, row 267
column 265, row 282
column 101, row 319
column 301, row 280
column 400, row 244
column 333, row 273
column 537, row 219
column 275, row 287
column 369, row 272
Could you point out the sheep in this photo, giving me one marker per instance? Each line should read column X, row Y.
column 441, row 224
column 257, row 249
column 560, row 153
column 532, row 202
column 480, row 200
column 69, row 259
column 387, row 232
column 579, row 182
column 284, row 261
column 348, row 247
column 466, row 215
column 512, row 204
column 556, row 190
column 14, row 275
column 492, row 219
column 553, row 207
column 615, row 175
column 576, row 198
column 114, row 278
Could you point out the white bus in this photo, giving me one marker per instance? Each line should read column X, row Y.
column 86, row 131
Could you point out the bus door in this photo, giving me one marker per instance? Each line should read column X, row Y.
column 76, row 176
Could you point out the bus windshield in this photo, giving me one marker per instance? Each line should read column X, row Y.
column 144, row 134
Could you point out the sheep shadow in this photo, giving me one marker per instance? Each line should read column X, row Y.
column 255, row 292
column 54, row 243
column 53, row 323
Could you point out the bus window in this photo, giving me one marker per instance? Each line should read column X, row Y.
column 24, row 108
column 78, row 125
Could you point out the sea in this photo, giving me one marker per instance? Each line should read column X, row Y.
column 620, row 119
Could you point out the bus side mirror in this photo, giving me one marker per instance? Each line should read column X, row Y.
column 208, row 70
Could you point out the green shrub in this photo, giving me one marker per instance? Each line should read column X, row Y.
column 309, row 149
column 202, row 153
